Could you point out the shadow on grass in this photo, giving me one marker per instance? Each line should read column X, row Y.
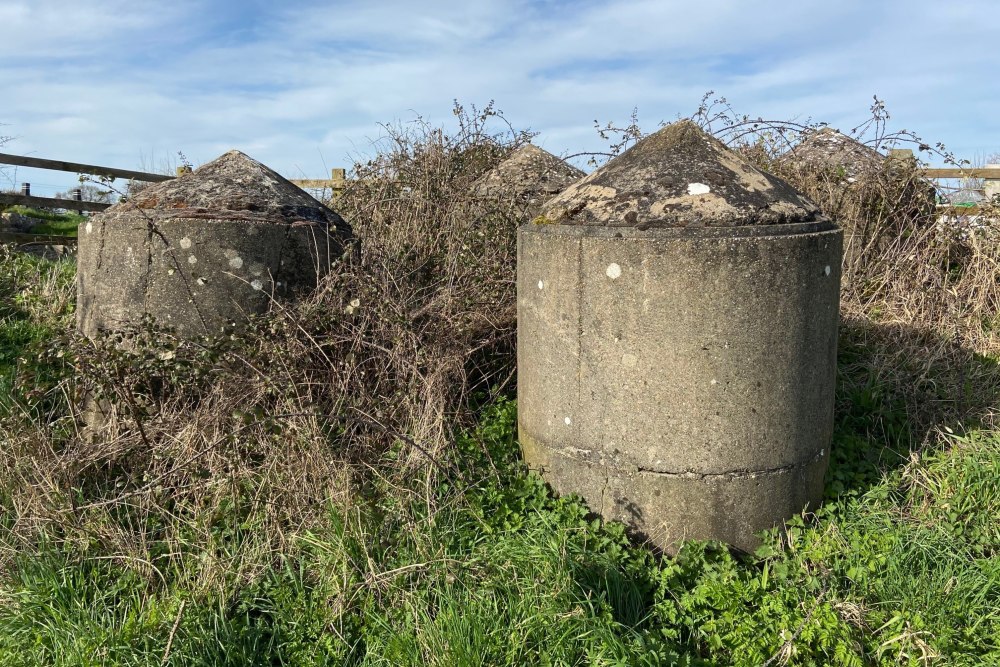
column 897, row 387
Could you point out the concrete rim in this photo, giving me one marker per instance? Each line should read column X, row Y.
column 745, row 231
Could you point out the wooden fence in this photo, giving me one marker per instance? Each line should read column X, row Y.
column 336, row 183
column 27, row 199
column 989, row 174
column 338, row 180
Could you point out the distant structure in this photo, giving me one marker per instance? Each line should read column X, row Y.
column 851, row 180
column 203, row 252
column 831, row 148
column 677, row 336
column 527, row 179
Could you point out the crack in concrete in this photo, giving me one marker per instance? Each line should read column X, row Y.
column 100, row 248
column 147, row 277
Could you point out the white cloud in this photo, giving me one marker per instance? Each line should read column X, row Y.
column 304, row 87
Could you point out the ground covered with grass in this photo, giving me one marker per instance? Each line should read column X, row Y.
column 36, row 301
column 341, row 483
column 55, row 224
column 485, row 567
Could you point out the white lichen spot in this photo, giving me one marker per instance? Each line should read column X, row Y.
column 90, row 227
column 698, row 189
column 192, row 260
column 827, row 270
column 613, row 271
column 568, row 421
column 201, row 281
column 256, row 269
column 541, row 284
column 185, row 243
column 170, row 272
column 714, row 381
column 236, row 263
column 257, row 285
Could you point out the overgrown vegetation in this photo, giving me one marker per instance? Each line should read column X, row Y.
column 341, row 483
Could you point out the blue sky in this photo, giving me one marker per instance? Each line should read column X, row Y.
column 303, row 86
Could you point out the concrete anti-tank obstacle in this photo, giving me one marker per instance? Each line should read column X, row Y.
column 202, row 252
column 527, row 179
column 677, row 334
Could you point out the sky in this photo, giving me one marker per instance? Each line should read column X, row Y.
column 305, row 86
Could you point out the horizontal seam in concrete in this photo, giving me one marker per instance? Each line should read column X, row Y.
column 733, row 474
column 574, row 454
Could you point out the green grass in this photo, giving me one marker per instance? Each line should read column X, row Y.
column 57, row 224
column 901, row 566
column 35, row 305
column 503, row 574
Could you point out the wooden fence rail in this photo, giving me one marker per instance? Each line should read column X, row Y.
column 76, row 167
column 958, row 172
column 336, row 183
column 49, row 202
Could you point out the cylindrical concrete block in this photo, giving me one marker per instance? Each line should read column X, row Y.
column 680, row 378
column 203, row 252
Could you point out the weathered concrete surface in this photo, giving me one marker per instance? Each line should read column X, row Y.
column 666, row 508
column 204, row 251
column 527, row 179
column 681, row 378
column 679, row 177
column 827, row 148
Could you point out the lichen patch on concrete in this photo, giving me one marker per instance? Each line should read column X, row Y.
column 529, row 178
column 155, row 254
column 829, row 148
column 679, row 177
column 234, row 186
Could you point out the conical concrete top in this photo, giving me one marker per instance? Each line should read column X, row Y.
column 828, row 147
column 529, row 171
column 679, row 177
column 233, row 186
